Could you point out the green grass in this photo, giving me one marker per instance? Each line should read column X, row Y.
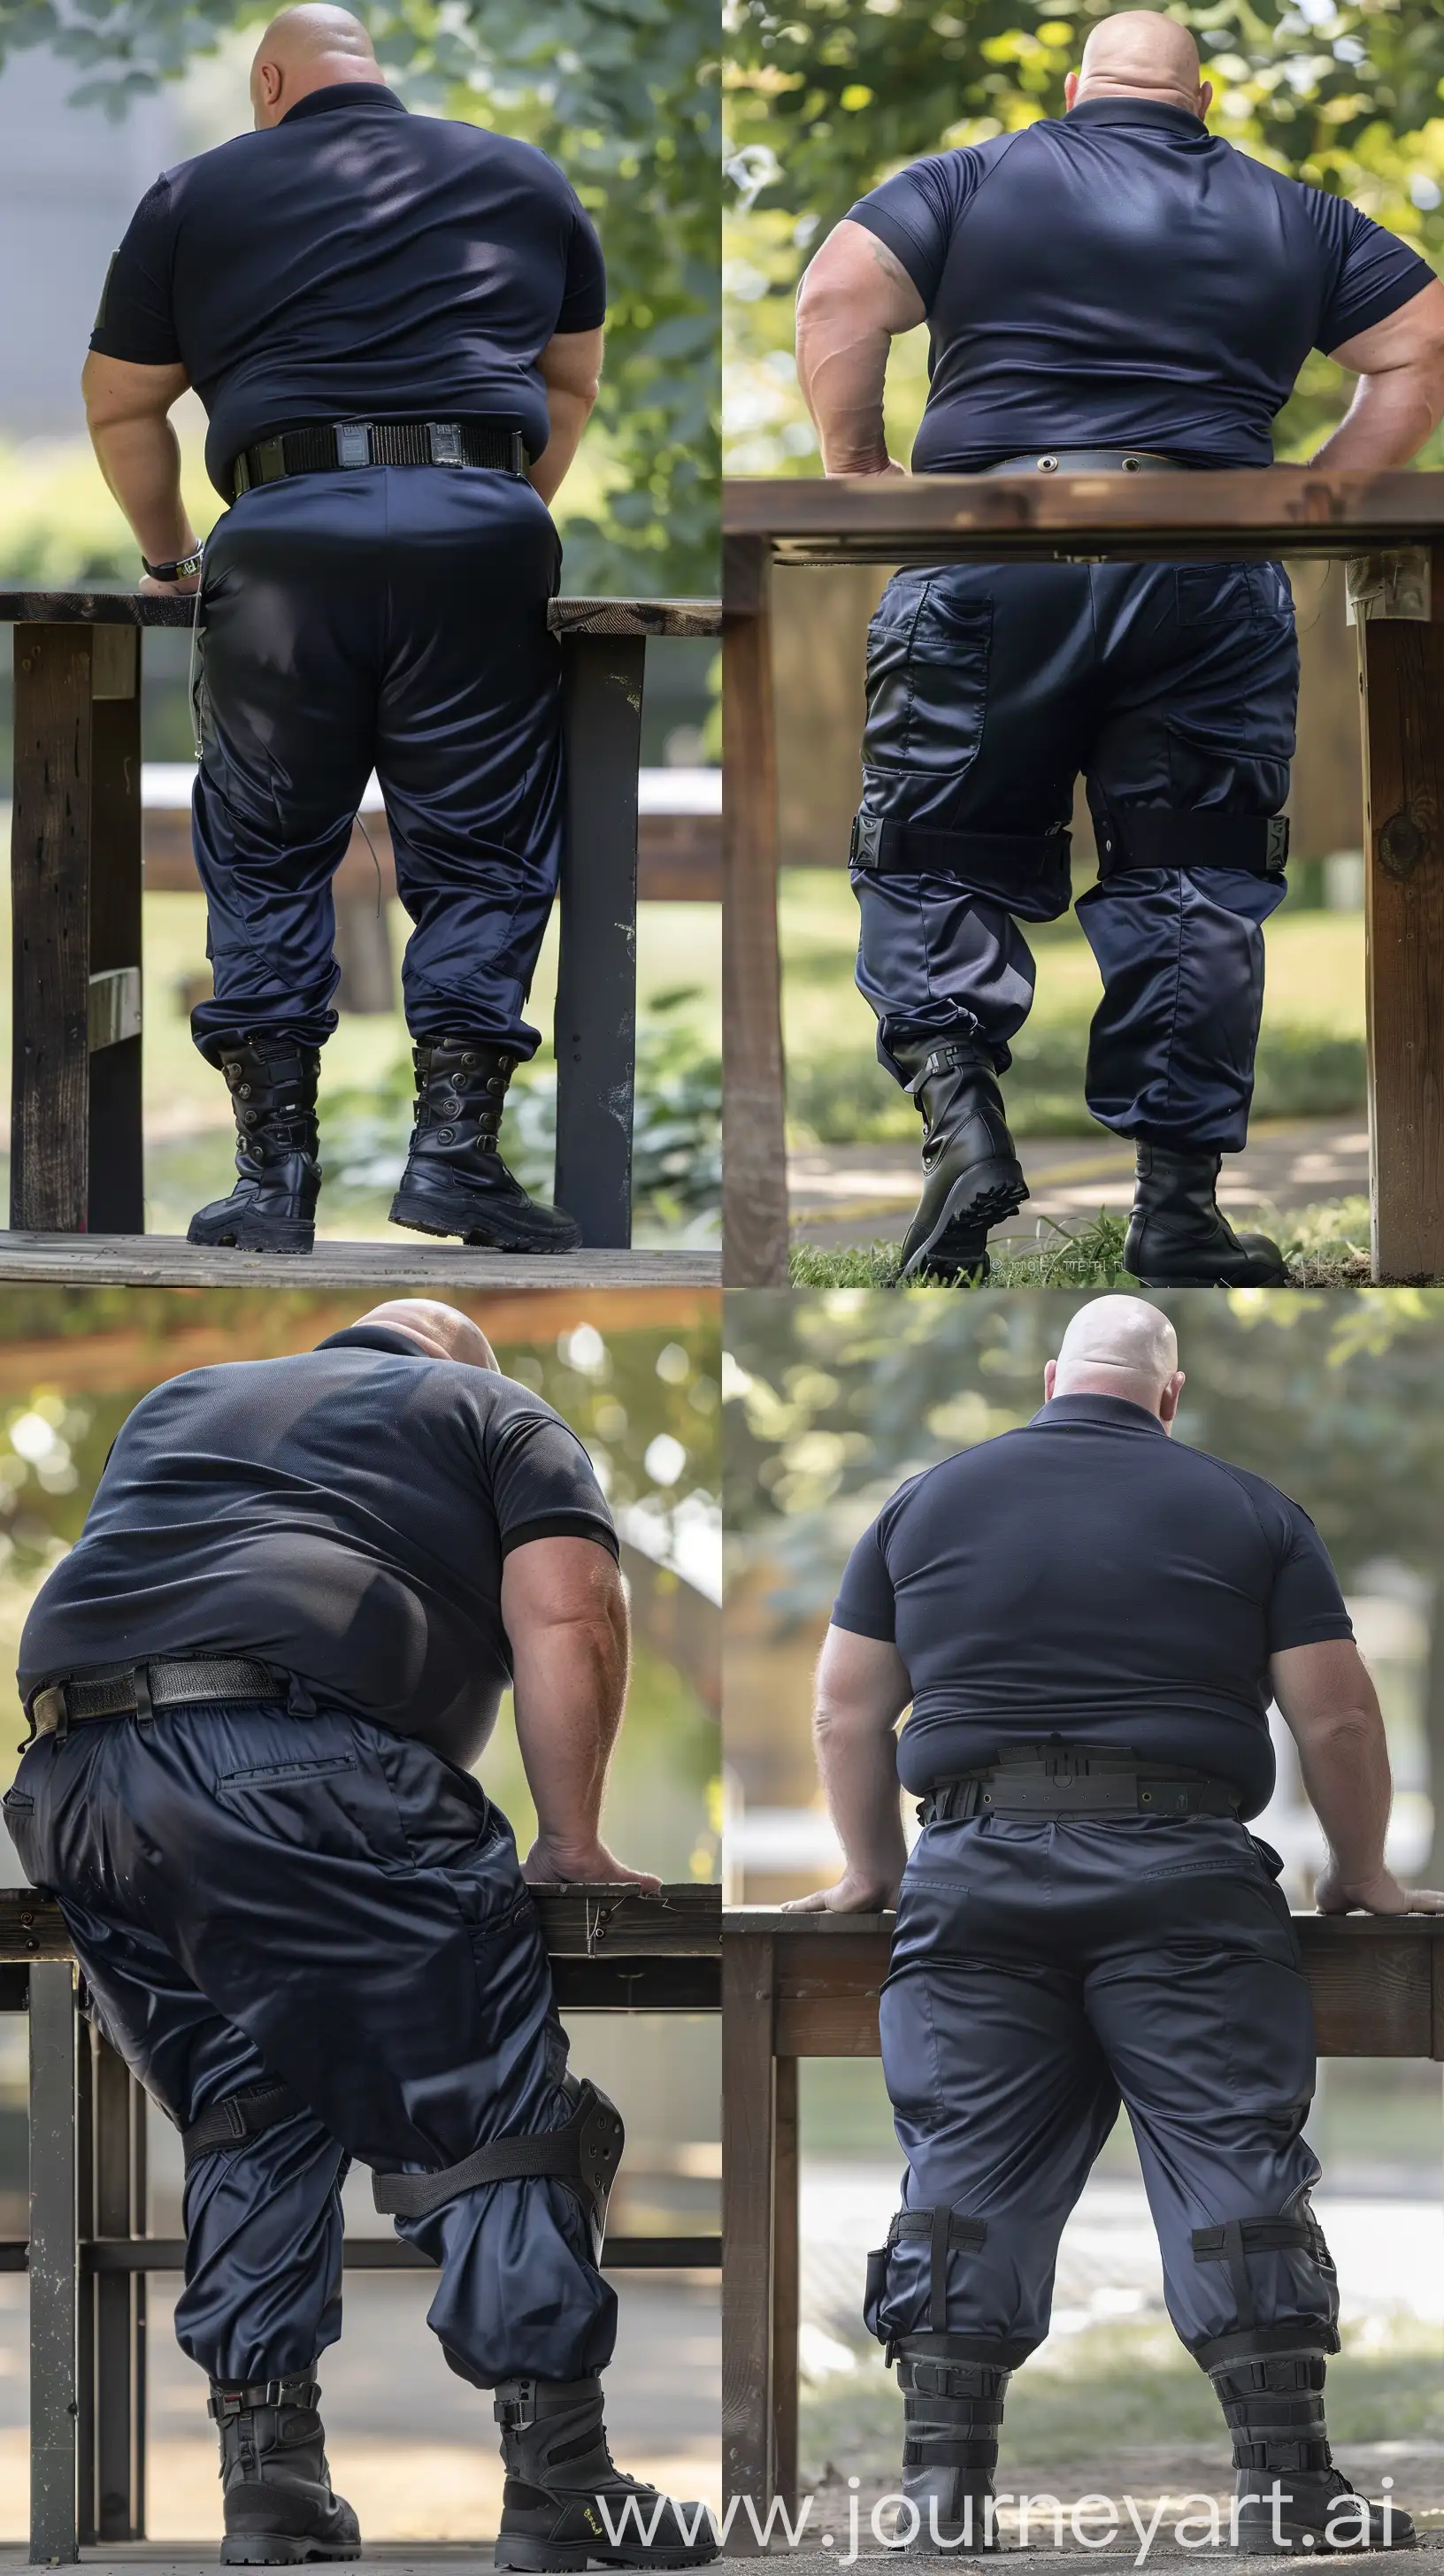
column 1326, row 1247
column 1123, row 2387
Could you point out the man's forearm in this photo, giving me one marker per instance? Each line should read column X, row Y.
column 1345, row 1770
column 1390, row 418
column 567, row 416
column 858, row 1767
column 842, row 373
column 569, row 1681
column 141, row 462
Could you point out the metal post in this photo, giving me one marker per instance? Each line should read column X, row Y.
column 596, row 1013
column 112, row 2310
column 53, row 2266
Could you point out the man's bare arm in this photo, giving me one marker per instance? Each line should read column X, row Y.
column 854, row 299
column 565, row 1615
column 862, row 1690
column 126, row 409
column 1332, row 1711
column 1399, row 400
column 571, row 370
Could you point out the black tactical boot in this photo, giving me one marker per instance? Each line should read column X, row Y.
column 1177, row 1237
column 952, row 2412
column 455, row 1181
column 1290, row 2496
column 565, row 2503
column 972, row 1178
column 280, row 2511
column 273, row 1205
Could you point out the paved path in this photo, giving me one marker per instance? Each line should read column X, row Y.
column 849, row 1194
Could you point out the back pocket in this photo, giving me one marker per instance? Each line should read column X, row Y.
column 331, row 1804
column 928, row 655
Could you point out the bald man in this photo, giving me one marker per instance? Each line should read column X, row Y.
column 395, row 325
column 1111, row 291
column 258, row 1686
column 1089, row 1622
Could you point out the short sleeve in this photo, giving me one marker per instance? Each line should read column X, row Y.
column 1370, row 273
column 915, row 211
column 865, row 1604
column 584, row 296
column 135, row 321
column 1306, row 1606
column 543, row 1484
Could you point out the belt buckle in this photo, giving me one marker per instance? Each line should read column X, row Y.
column 865, row 850
column 445, row 437
column 49, row 1714
column 353, row 443
column 1276, row 845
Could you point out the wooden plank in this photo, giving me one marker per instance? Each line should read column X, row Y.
column 595, row 1022
column 167, row 1261
column 754, row 1154
column 683, row 617
column 749, row 2167
column 596, row 1922
column 786, row 2282
column 1402, row 678
column 116, row 1168
column 53, row 2270
column 50, row 964
column 937, row 518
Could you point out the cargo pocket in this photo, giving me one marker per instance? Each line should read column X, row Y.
column 875, row 2290
column 330, row 1804
column 927, row 679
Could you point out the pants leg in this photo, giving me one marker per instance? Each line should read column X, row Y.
column 979, row 687
column 469, row 746
column 289, row 638
column 354, row 1906
column 1202, row 665
column 1201, row 2008
column 1001, row 2095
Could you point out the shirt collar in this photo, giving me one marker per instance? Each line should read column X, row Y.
column 370, row 96
column 1137, row 111
column 374, row 1337
column 1114, row 1411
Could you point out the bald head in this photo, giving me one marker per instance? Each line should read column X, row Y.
column 443, row 1332
column 308, row 48
column 1138, row 53
column 1120, row 1346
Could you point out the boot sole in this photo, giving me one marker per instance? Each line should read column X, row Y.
column 283, row 1235
column 559, row 2558
column 984, row 1196
column 278, row 2549
column 428, row 1216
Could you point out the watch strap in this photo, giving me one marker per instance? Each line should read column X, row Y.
column 180, row 570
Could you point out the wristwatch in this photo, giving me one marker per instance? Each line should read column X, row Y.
column 180, row 570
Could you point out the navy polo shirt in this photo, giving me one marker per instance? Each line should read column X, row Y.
column 1122, row 277
column 353, row 263
column 343, row 1516
column 1092, row 1578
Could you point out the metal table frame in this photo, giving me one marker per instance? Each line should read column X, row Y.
column 77, row 1161
column 88, row 2254
column 807, row 1985
column 1392, row 524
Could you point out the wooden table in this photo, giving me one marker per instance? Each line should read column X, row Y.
column 88, row 2254
column 796, row 1986
column 76, row 1151
column 1396, row 520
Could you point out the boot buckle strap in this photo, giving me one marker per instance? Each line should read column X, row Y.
column 514, row 2413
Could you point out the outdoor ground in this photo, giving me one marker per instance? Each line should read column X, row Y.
column 853, row 1158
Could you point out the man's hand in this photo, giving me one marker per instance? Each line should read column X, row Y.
column 852, row 1895
column 1381, row 1894
column 854, row 299
column 185, row 588
column 551, row 1864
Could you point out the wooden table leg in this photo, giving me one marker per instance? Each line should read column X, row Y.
column 596, row 1011
column 1402, row 680
column 749, row 2249
column 754, row 1148
column 116, row 1162
column 786, row 2282
column 52, row 2265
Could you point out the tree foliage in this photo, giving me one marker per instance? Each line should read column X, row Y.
column 623, row 93
column 827, row 96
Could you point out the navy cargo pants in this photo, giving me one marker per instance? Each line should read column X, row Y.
column 256, row 1894
column 990, row 687
column 392, row 618
column 1044, row 1971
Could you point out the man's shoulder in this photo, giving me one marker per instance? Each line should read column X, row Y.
column 1277, row 1513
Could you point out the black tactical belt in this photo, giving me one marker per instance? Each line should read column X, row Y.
column 137, row 1689
column 915, row 849
column 1036, row 1781
column 332, row 447
column 1087, row 460
column 1166, row 836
